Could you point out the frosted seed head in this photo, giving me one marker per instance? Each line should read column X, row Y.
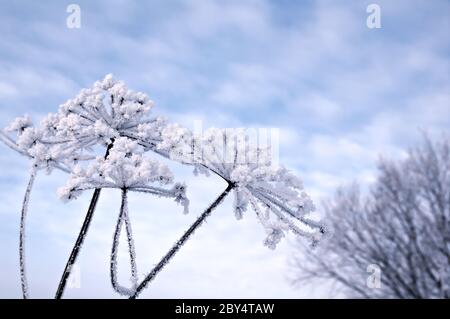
column 20, row 124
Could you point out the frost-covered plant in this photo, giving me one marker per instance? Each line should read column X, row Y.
column 104, row 112
column 31, row 142
column 98, row 116
column 126, row 168
column 101, row 138
column 95, row 117
column 274, row 193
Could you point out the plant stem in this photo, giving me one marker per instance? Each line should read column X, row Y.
column 83, row 231
column 165, row 260
column 123, row 217
column 26, row 200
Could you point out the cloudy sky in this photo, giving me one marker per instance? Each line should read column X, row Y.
column 340, row 93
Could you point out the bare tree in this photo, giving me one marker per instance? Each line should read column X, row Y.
column 393, row 241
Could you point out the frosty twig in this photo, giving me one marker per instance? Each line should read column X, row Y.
column 166, row 259
column 80, row 239
column 123, row 218
column 26, row 200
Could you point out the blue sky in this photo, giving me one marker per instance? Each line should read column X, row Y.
column 340, row 93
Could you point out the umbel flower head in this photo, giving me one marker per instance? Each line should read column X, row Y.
column 96, row 116
column 274, row 193
column 105, row 111
column 34, row 143
column 125, row 167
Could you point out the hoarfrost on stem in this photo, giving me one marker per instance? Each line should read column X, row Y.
column 123, row 218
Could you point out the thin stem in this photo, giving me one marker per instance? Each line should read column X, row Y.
column 26, row 200
column 83, row 231
column 11, row 144
column 131, row 249
column 165, row 260
column 123, row 217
